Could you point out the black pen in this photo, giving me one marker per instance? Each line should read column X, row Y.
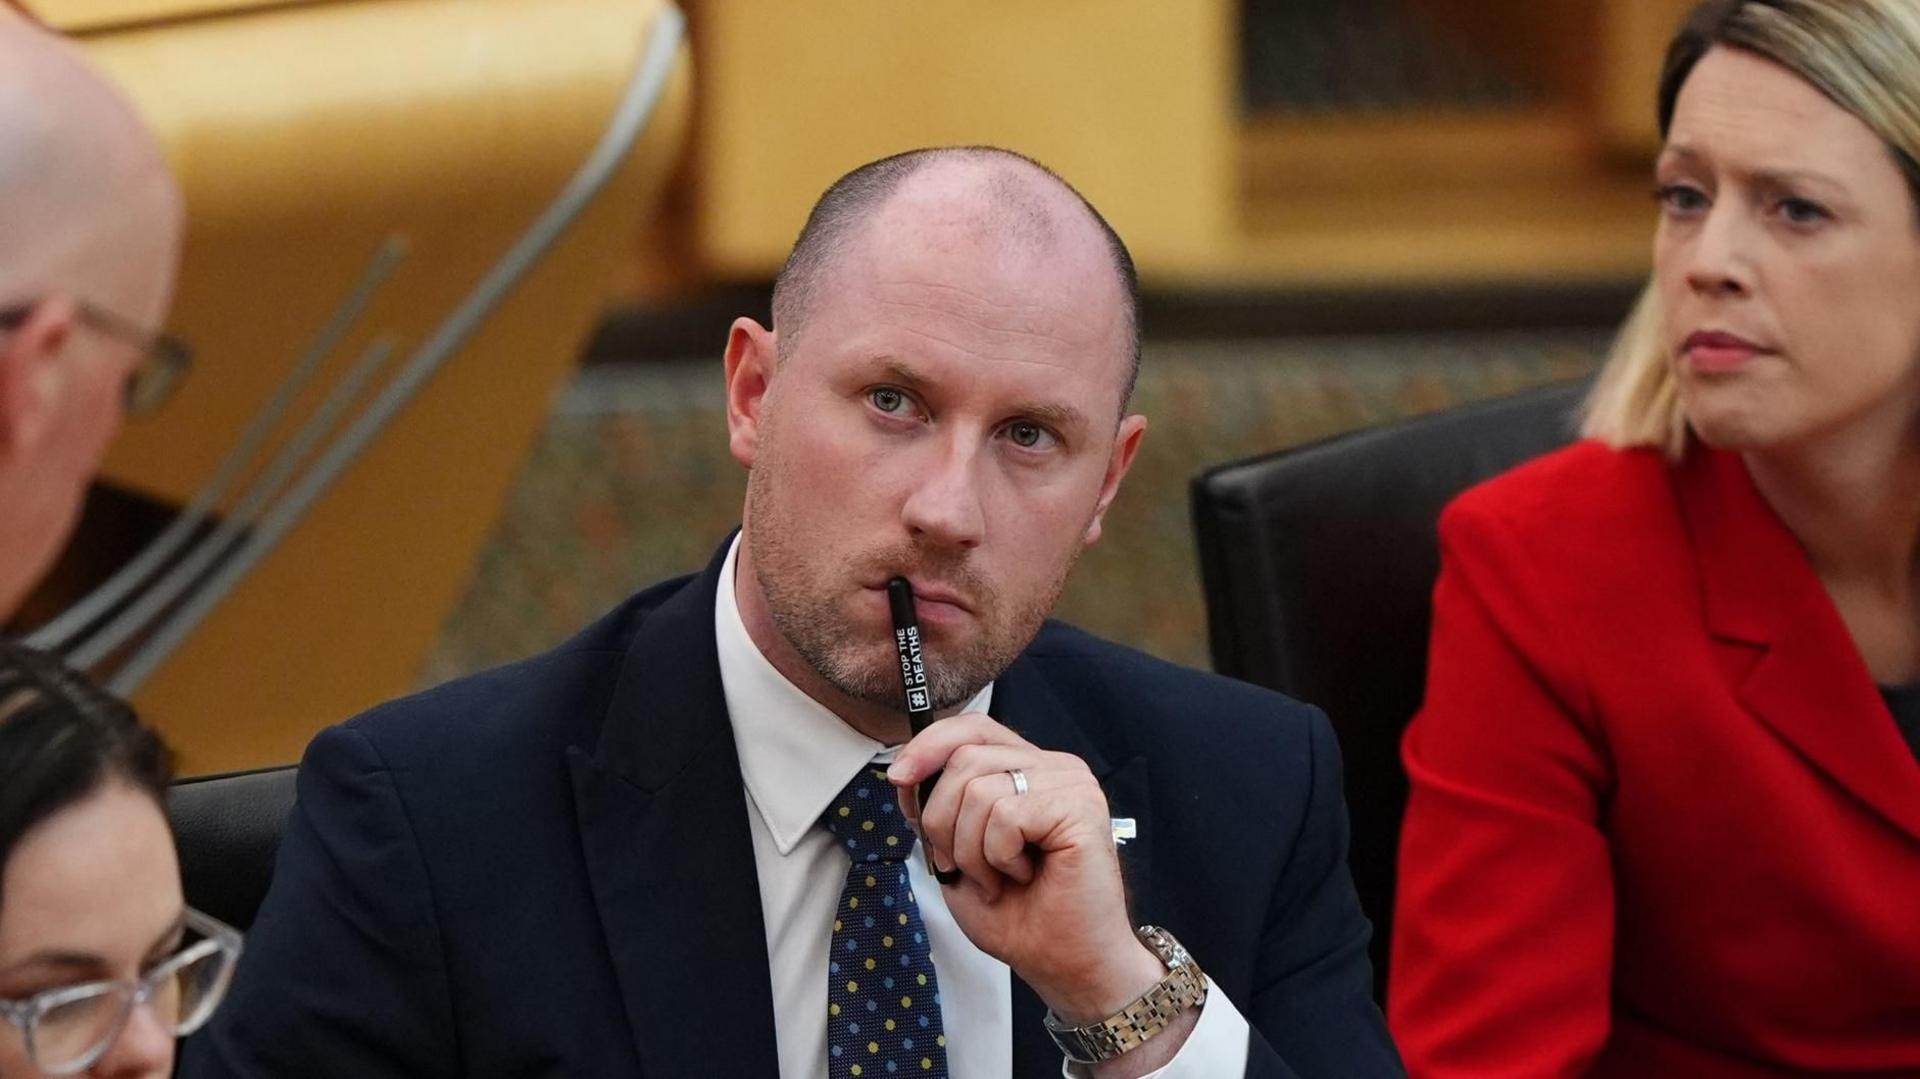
column 913, row 682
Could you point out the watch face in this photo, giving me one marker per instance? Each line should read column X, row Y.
column 1170, row 951
column 1184, row 987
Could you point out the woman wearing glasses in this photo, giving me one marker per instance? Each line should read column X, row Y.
column 102, row 965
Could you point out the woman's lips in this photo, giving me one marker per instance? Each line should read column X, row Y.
column 1712, row 352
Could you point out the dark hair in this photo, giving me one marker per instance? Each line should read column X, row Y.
column 852, row 198
column 61, row 737
column 1839, row 52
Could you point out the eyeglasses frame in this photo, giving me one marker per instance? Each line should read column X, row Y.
column 164, row 358
column 219, row 937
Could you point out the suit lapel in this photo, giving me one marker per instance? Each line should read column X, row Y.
column 1024, row 701
column 663, row 827
column 1789, row 654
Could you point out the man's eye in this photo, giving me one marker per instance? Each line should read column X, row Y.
column 887, row 399
column 1027, row 435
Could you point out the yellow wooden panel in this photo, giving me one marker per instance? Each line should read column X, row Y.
column 1412, row 153
column 94, row 16
column 304, row 136
column 1595, row 230
column 1634, row 41
column 1518, row 195
column 1131, row 100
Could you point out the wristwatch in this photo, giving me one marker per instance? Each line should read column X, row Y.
column 1129, row 1028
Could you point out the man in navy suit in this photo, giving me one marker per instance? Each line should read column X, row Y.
column 688, row 842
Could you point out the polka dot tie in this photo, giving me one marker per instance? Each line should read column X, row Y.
column 883, row 999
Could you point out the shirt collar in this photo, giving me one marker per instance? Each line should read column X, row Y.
column 795, row 754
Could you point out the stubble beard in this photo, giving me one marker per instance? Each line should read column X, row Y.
column 805, row 600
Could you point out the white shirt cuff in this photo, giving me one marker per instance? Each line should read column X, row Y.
column 1217, row 1046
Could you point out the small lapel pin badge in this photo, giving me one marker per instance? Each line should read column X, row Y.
column 1123, row 830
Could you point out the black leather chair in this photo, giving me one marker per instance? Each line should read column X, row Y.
column 1319, row 564
column 228, row 830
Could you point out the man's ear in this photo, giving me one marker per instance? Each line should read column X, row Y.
column 31, row 381
column 753, row 352
column 1126, row 443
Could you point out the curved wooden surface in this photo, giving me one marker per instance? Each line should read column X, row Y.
column 304, row 135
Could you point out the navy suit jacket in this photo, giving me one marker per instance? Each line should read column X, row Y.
column 545, row 869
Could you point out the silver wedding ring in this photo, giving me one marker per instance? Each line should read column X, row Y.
column 1019, row 780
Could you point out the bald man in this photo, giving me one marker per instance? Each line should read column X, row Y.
column 90, row 227
column 688, row 843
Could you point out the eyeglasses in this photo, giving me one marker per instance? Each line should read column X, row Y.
column 68, row 1029
column 164, row 359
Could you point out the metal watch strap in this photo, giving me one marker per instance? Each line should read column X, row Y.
column 1129, row 1028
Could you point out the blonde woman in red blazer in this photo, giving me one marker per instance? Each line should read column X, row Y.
column 1665, row 809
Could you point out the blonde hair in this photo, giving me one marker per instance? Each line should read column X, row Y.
column 1862, row 54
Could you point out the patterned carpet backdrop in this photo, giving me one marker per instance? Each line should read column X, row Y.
column 631, row 481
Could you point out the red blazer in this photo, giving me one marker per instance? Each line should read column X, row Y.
column 1661, row 821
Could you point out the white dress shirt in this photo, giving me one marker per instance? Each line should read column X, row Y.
column 795, row 757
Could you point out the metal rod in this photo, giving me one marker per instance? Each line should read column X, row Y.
column 153, row 602
column 630, row 118
column 62, row 633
